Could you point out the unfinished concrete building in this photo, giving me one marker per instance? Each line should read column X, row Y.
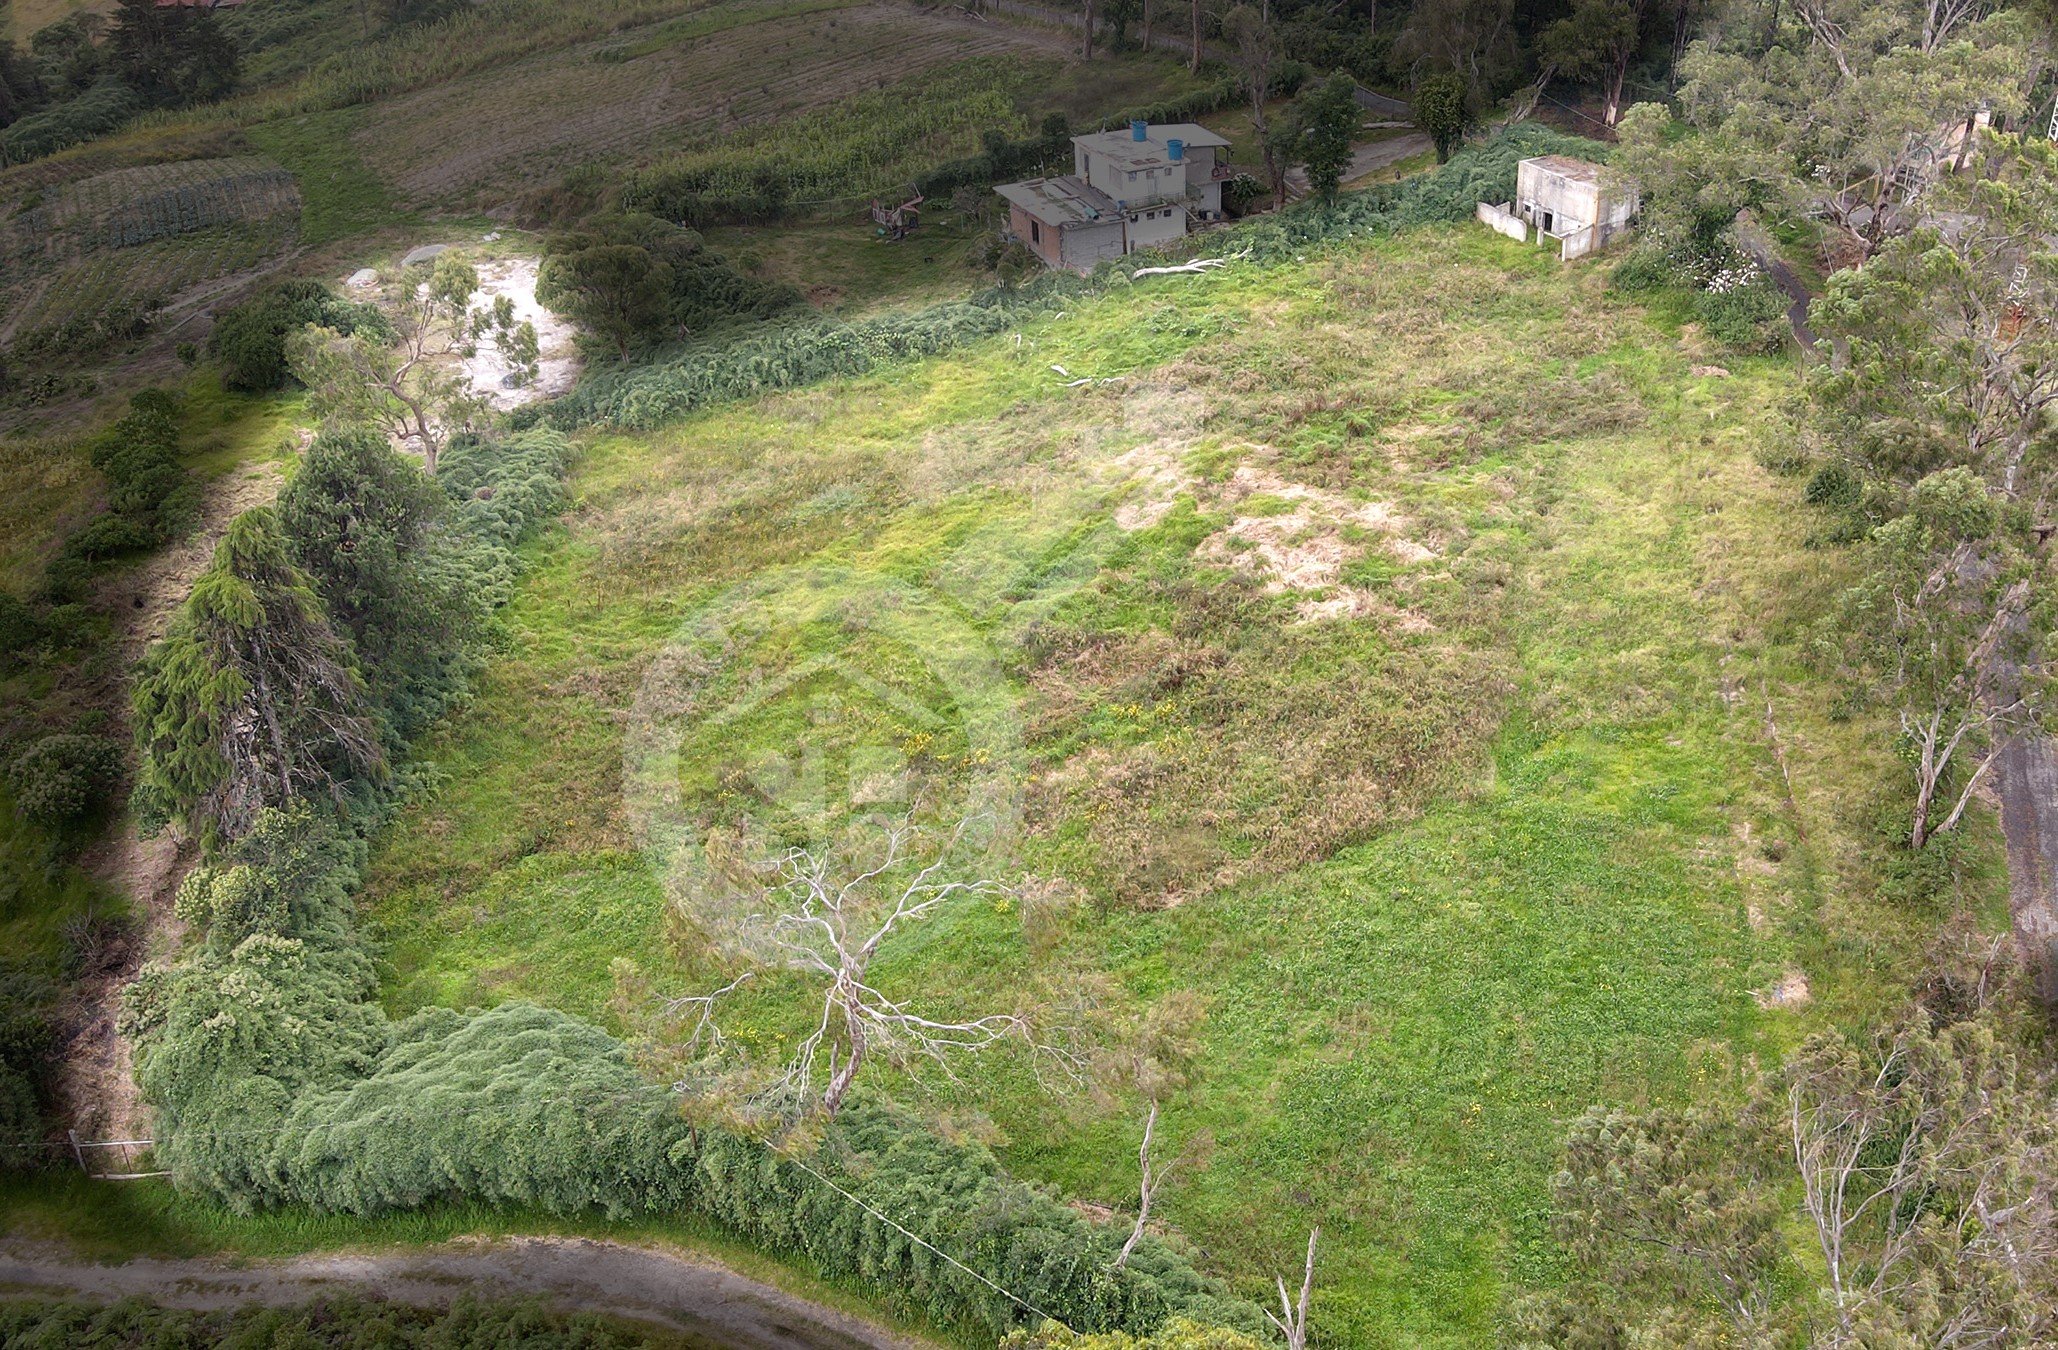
column 1128, row 190
column 1570, row 201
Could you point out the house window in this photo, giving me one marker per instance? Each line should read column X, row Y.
column 1035, row 233
column 1132, row 175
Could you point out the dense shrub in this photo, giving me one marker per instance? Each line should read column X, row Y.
column 60, row 778
column 628, row 277
column 1749, row 317
column 335, row 1322
column 250, row 339
column 96, row 112
column 806, row 353
column 22, row 630
column 149, row 494
column 27, row 1043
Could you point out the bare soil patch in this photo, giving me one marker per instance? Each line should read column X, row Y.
column 666, row 1288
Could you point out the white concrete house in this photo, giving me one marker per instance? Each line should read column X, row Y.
column 1128, row 190
column 1571, row 201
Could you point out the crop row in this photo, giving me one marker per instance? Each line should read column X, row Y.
column 132, row 207
column 867, row 143
column 111, row 294
column 542, row 118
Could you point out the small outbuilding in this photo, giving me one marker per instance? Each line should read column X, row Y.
column 1572, row 201
column 1129, row 190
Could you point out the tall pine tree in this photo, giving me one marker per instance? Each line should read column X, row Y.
column 252, row 699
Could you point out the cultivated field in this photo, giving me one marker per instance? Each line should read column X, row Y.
column 1385, row 657
column 485, row 137
column 133, row 240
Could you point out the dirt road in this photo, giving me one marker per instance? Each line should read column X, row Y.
column 662, row 1288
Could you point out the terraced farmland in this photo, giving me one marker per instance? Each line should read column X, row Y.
column 492, row 134
column 117, row 245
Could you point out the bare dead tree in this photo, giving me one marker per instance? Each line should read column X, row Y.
column 1152, row 1177
column 1926, row 1164
column 1292, row 1320
column 831, row 926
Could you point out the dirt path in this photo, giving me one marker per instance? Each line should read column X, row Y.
column 664, row 1288
column 96, row 1093
column 1368, row 158
column 2026, row 780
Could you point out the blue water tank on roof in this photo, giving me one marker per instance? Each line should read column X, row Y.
column 1175, row 150
column 1139, row 130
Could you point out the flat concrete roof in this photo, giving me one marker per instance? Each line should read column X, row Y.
column 1125, row 152
column 1062, row 201
column 1564, row 166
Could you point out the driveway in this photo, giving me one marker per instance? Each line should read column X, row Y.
column 1368, row 158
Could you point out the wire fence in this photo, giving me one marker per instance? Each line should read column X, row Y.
column 114, row 1159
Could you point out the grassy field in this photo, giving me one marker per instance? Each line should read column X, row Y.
column 1398, row 655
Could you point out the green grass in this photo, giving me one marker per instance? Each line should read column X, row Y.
column 1513, row 841
column 340, row 196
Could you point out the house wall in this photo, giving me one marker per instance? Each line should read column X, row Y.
column 1082, row 246
column 1592, row 239
column 1501, row 220
column 1618, row 204
column 1043, row 240
column 1200, row 180
column 1156, row 225
column 1571, row 204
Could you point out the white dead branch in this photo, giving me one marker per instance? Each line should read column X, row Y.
column 831, row 926
column 1293, row 1319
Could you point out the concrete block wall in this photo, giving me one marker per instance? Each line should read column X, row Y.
column 1501, row 220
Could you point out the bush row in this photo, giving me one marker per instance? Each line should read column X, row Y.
column 803, row 354
column 98, row 111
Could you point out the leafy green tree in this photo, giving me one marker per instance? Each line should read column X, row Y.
column 1943, row 630
column 616, row 291
column 1846, row 111
column 1441, row 111
column 407, row 382
column 69, row 50
column 362, row 522
column 1951, row 336
column 1255, row 56
column 252, row 699
column 1596, row 41
column 1477, row 40
column 1913, row 1167
column 1322, row 129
